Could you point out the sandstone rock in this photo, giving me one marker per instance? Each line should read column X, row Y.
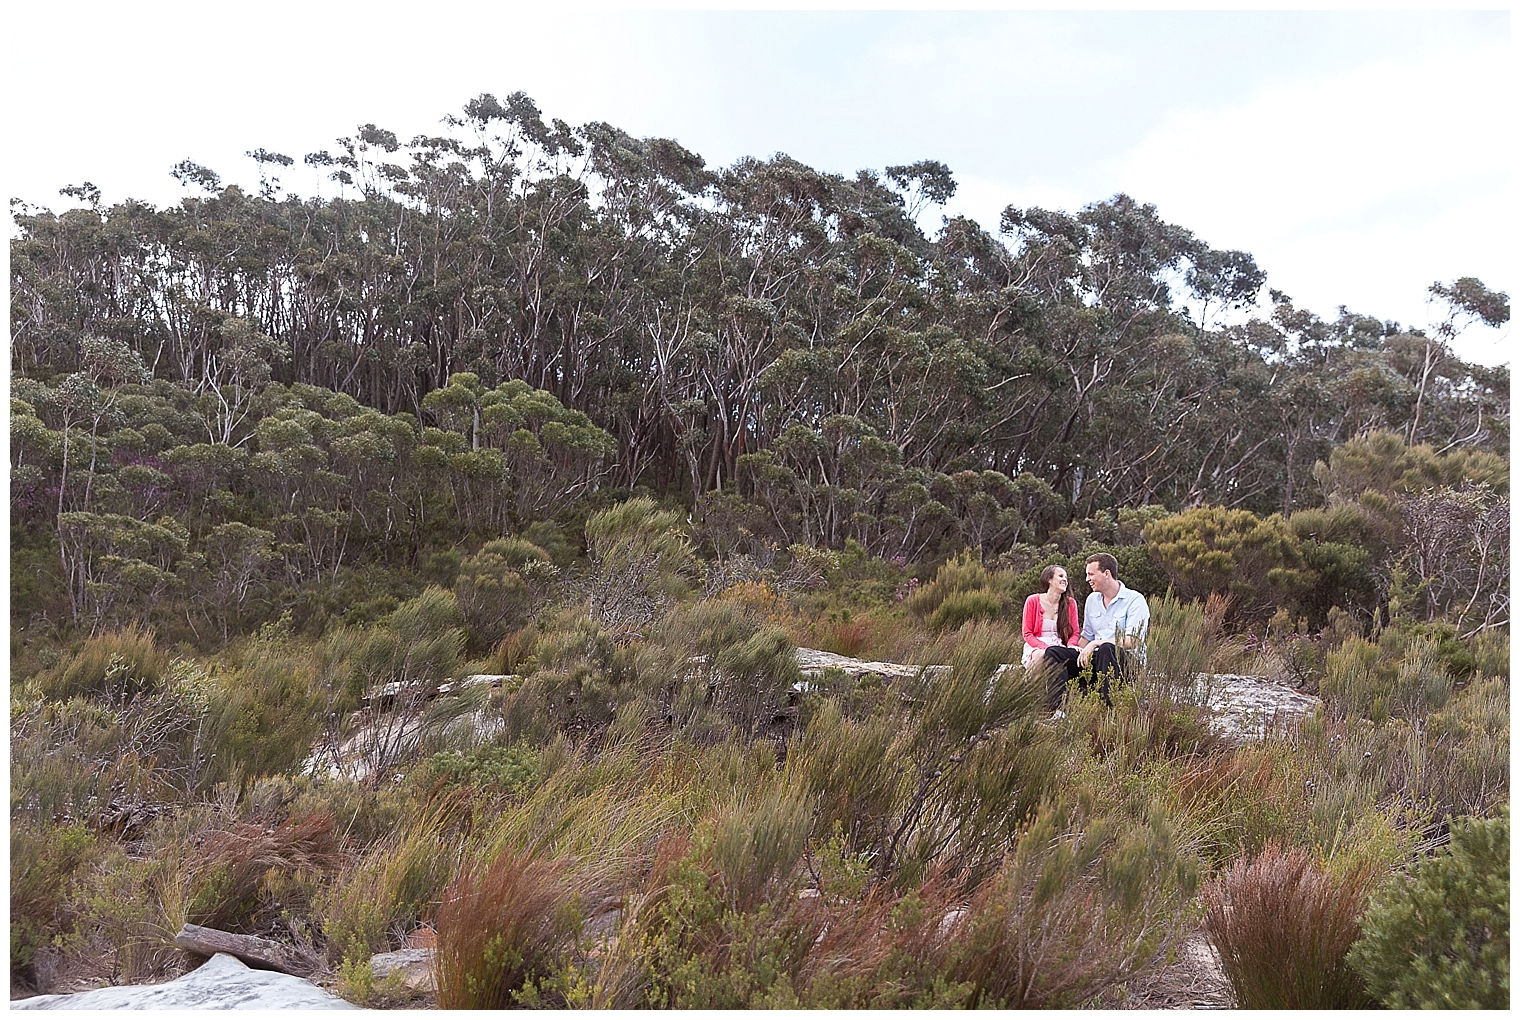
column 414, row 967
column 223, row 982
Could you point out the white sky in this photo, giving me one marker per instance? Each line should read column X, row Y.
column 1359, row 156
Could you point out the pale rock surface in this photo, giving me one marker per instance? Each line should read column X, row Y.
column 223, row 982
column 412, row 967
column 1242, row 706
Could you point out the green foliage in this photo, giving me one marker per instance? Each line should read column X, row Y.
column 44, row 860
column 1181, row 643
column 121, row 662
column 1439, row 938
column 389, row 889
column 1079, row 905
column 490, row 767
column 962, row 591
column 640, row 558
column 1381, row 462
column 498, row 587
column 419, row 643
column 1380, row 680
column 1257, row 563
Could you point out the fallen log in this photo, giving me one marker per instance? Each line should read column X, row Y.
column 250, row 949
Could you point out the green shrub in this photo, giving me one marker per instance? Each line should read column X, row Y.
column 1181, row 643
column 713, row 667
column 1466, row 752
column 959, row 576
column 1440, row 938
column 498, row 587
column 490, row 767
column 385, row 893
column 641, row 560
column 44, row 860
column 1395, row 677
column 1080, row 905
column 757, row 843
column 265, row 711
column 963, row 607
column 1232, row 552
column 123, row 662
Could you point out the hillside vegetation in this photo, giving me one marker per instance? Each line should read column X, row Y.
column 570, row 409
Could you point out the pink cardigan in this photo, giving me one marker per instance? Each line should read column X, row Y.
column 1034, row 622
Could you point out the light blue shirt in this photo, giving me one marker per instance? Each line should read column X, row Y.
column 1128, row 613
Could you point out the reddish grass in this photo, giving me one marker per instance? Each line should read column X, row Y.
column 500, row 926
column 1282, row 928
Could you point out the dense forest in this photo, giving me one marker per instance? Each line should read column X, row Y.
column 569, row 407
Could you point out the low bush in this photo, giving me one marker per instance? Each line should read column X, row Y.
column 121, row 663
column 1282, row 927
column 385, row 893
column 44, row 861
column 228, row 869
column 1080, row 905
column 1439, row 939
column 961, row 576
column 1466, row 752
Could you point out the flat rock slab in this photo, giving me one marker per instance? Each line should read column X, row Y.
column 1253, row 706
column 223, row 982
column 812, row 662
column 1247, row 707
column 412, row 967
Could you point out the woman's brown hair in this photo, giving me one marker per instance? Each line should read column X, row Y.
column 1063, row 616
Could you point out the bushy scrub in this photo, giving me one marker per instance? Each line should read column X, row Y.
column 713, row 667
column 576, row 679
column 374, row 901
column 489, row 768
column 1466, row 751
column 499, row 587
column 120, row 663
column 267, row 710
column 641, row 560
column 1439, row 938
column 961, row 591
column 1379, row 680
column 1212, row 549
column 1177, row 649
column 1079, row 905
column 44, row 861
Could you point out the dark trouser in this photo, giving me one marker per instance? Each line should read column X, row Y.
column 1061, row 668
column 1109, row 665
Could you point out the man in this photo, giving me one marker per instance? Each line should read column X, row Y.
column 1114, row 622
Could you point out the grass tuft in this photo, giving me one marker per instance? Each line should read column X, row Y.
column 1282, row 928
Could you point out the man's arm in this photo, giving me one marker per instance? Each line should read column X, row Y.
column 1137, row 620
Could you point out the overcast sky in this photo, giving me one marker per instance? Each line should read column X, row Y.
column 1359, row 156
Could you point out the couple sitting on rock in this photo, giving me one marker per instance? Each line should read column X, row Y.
column 1113, row 629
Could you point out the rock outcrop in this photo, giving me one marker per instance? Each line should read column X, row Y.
column 223, row 982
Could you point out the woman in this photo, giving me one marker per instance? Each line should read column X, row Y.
column 1051, row 637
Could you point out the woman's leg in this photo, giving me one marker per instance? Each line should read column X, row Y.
column 1060, row 662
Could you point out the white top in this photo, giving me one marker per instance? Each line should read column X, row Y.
column 1048, row 632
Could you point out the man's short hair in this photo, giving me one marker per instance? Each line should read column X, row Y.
column 1105, row 562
